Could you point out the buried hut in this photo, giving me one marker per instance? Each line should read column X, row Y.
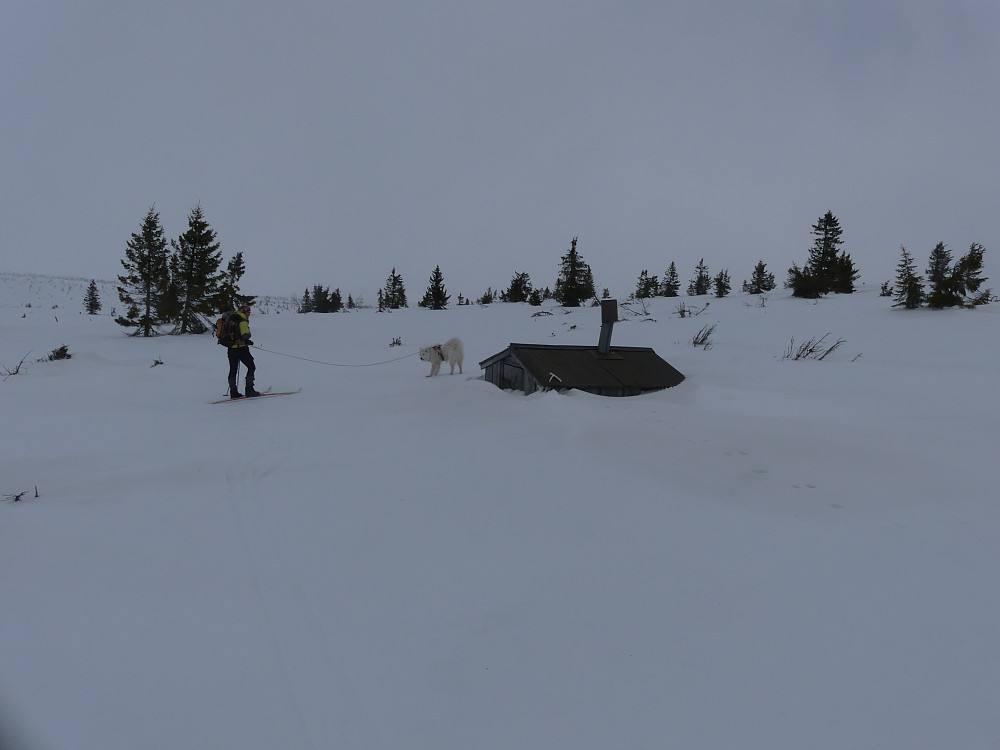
column 603, row 370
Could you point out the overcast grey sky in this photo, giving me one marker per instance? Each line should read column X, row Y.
column 331, row 141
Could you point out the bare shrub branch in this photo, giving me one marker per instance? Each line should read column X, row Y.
column 704, row 336
column 812, row 349
column 684, row 311
column 6, row 372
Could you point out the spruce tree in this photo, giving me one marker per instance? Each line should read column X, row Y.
column 943, row 292
column 646, row 286
column 702, row 282
column 195, row 268
column 519, row 289
column 230, row 291
column 823, row 254
column 575, row 283
column 336, row 300
column 306, row 304
column 400, row 296
column 671, row 282
column 722, row 283
column 92, row 300
column 968, row 279
column 395, row 292
column 909, row 284
column 321, row 299
column 146, row 276
column 760, row 280
column 828, row 268
column 845, row 274
column 436, row 297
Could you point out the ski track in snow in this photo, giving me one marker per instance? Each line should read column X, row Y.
column 324, row 701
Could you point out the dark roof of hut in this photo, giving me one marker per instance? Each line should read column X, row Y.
column 584, row 368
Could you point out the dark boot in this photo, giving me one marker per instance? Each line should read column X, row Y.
column 250, row 391
column 233, row 393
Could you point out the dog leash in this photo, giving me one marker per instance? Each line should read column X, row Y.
column 333, row 364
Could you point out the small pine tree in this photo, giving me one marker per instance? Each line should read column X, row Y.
column 828, row 268
column 381, row 301
column 146, row 277
column 92, row 300
column 576, row 280
column 306, row 305
column 671, row 282
column 321, row 299
column 909, row 284
column 436, row 297
column 804, row 283
column 760, row 280
column 968, row 279
column 943, row 292
column 826, row 246
column 395, row 292
column 230, row 291
column 845, row 274
column 722, row 283
column 519, row 289
column 336, row 300
column 195, row 269
column 702, row 282
column 535, row 298
column 646, row 286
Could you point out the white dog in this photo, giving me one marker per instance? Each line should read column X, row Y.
column 450, row 351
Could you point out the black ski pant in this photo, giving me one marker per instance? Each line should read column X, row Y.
column 238, row 354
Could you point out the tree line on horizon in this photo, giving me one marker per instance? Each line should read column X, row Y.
column 181, row 281
column 828, row 269
column 574, row 286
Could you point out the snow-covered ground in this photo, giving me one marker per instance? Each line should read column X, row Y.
column 774, row 554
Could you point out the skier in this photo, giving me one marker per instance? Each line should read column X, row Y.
column 240, row 352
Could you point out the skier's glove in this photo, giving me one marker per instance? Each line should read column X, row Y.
column 249, row 342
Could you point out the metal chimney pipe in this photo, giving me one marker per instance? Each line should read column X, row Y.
column 609, row 316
